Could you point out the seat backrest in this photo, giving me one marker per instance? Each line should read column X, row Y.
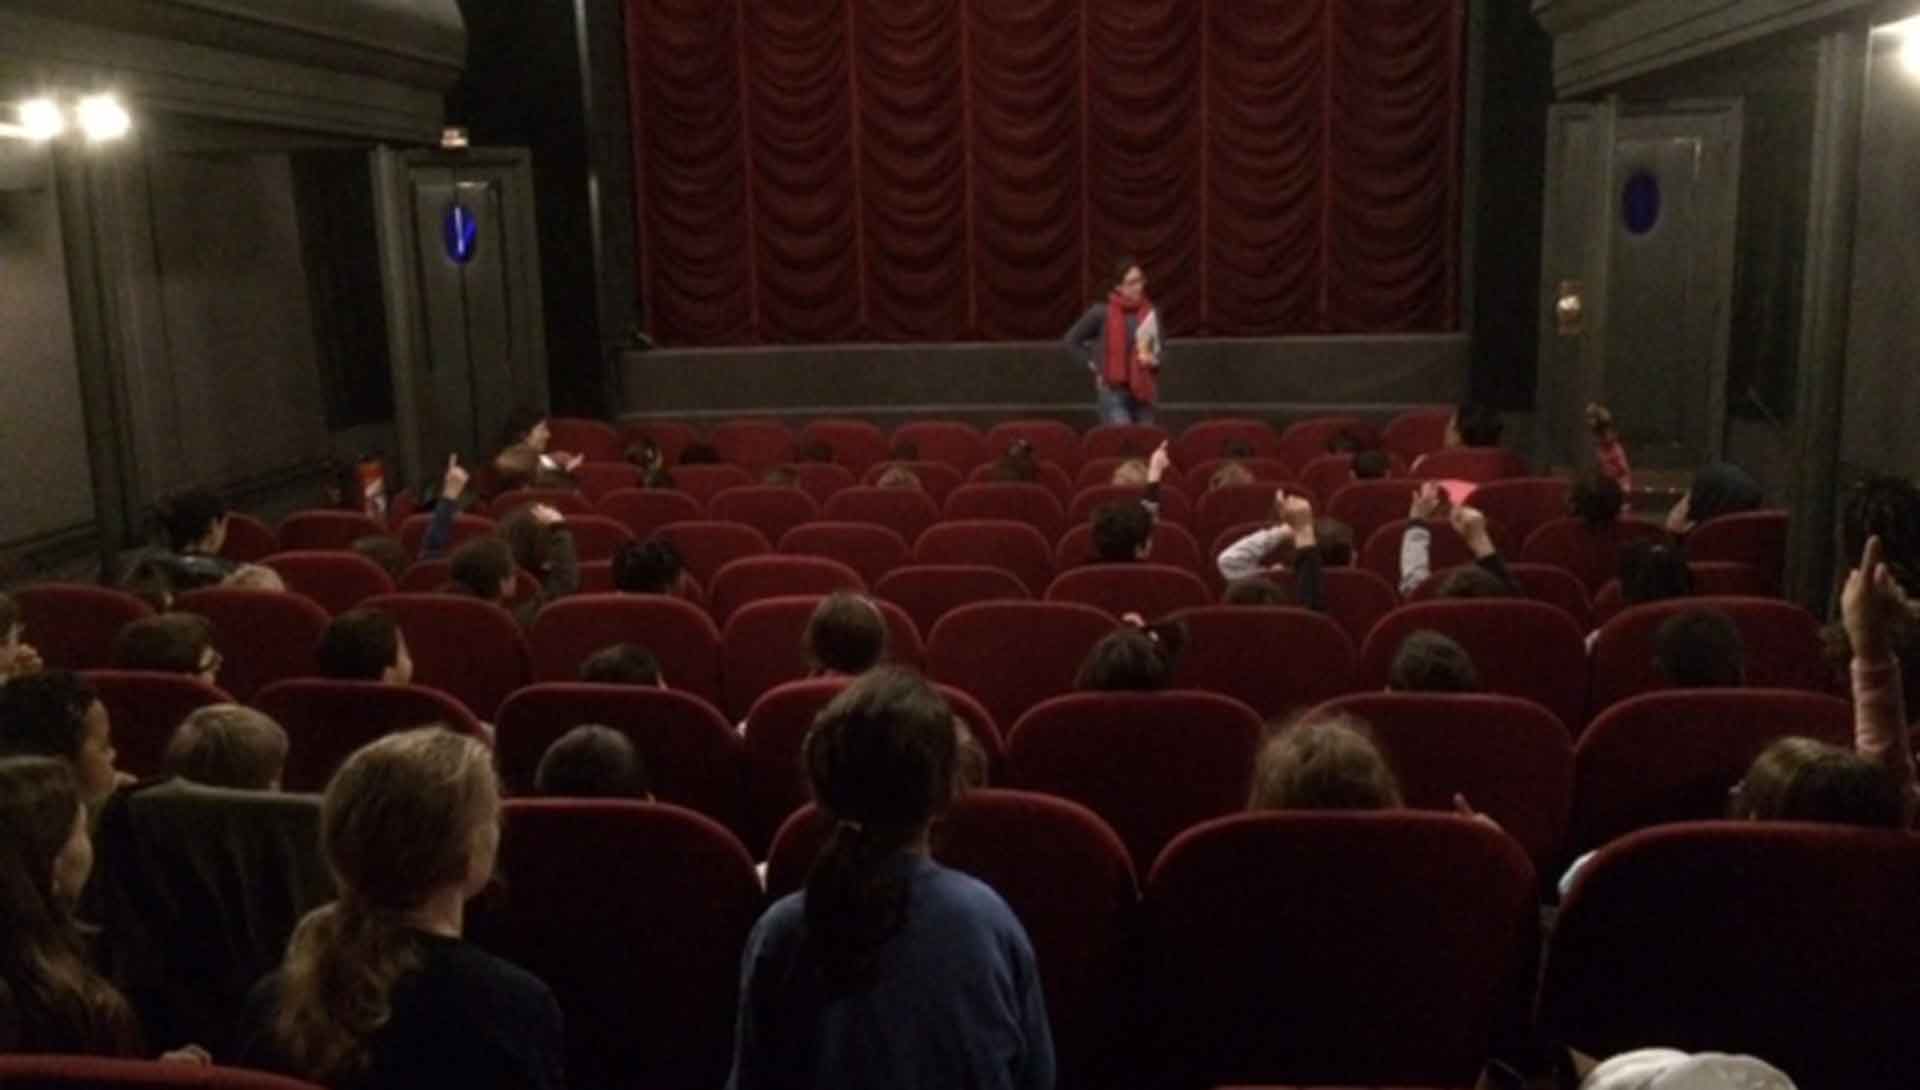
column 1755, row 538
column 680, row 634
column 1511, row 758
column 1421, row 922
column 950, row 442
column 821, row 479
column 1052, row 441
column 928, row 592
column 326, row 530
column 1231, row 505
column 264, row 636
column 1368, row 505
column 72, row 625
column 334, row 581
column 1033, row 504
column 1519, row 648
column 937, row 479
column 856, row 444
column 1012, row 655
column 1709, row 578
column 1592, row 553
column 1673, row 756
column 1521, row 505
column 776, row 731
column 434, row 576
column 46, row 1072
column 755, row 445
column 567, row 501
column 471, row 649
column 1051, row 474
column 1150, row 590
column 249, row 540
column 1198, row 476
column 1172, row 544
column 1305, row 440
column 144, row 707
column 1067, row 878
column 1095, row 472
column 1417, row 431
column 671, row 436
column 1357, row 599
column 1150, row 764
column 327, row 720
column 1174, row 505
column 597, row 479
column 596, row 440
column 677, row 907
column 1212, row 438
column 871, row 550
column 1121, row 441
column 1274, row 659
column 763, row 645
column 1547, row 583
column 1781, row 640
column 1478, row 464
column 413, row 531
column 1017, row 547
column 706, row 546
column 906, row 511
column 704, row 482
column 597, row 537
column 1716, row 935
column 644, row 510
column 770, row 509
column 691, row 755
column 1380, row 552
column 753, row 578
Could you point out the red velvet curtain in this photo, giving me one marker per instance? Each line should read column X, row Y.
column 956, row 170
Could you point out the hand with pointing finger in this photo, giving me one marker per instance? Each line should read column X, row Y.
column 455, row 482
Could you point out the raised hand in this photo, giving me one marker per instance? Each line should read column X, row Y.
column 1871, row 604
column 1471, row 524
column 1426, row 501
column 547, row 516
column 455, row 481
column 1161, row 461
column 1295, row 511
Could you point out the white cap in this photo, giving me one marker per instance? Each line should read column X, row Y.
column 1666, row 1069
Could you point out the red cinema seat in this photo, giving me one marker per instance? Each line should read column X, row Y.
column 681, row 636
column 1709, row 579
column 598, row 479
column 436, row 577
column 263, row 636
column 821, row 480
column 413, row 531
column 1306, row 440
column 1218, row 438
column 1326, row 475
column 1052, row 441
column 596, row 537
column 671, row 436
column 1368, row 505
column 753, row 578
column 1547, row 583
column 567, row 501
column 856, row 444
column 1099, row 471
column 1357, row 600
column 335, row 581
column 1150, row 764
column 47, row 1072
column 907, row 512
column 928, row 592
column 937, row 479
column 1172, row 544
column 1032, row 504
column 596, row 440
column 1673, row 756
column 327, row 720
column 764, row 646
column 144, row 707
column 1014, row 546
column 249, row 540
column 1592, row 553
column 1519, row 648
column 315, row 531
column 755, row 445
column 1423, row 922
column 644, row 510
column 707, row 546
column 1479, row 464
column 1013, row 655
column 1716, row 936
column 1121, row 441
column 1198, row 476
column 1234, row 504
column 1174, row 505
column 1049, row 474
column 770, row 509
column 677, row 909
column 1150, row 590
column 949, row 442
column 1757, row 539
column 1511, row 758
column 1417, row 432
column 703, row 482
column 1380, row 554
column 1521, row 505
column 1274, row 659
column 873, row 551
column 1781, row 640
column 72, row 625
column 467, row 648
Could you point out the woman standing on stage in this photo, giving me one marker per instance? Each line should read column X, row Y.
column 1119, row 341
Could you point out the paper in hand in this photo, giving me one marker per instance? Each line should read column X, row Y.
column 1147, row 338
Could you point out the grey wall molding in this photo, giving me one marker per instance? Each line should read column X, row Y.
column 1602, row 43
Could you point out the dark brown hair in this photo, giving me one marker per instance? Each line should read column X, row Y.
column 847, row 634
column 174, row 643
column 1800, row 779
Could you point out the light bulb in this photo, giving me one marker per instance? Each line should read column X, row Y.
column 41, row 119
column 102, row 118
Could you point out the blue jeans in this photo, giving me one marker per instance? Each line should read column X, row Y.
column 1119, row 406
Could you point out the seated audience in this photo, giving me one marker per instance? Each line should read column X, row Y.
column 1608, row 453
column 1475, row 425
column 146, row 578
column 1294, row 527
column 255, row 577
column 652, row 462
column 592, row 762
column 1017, row 464
column 846, row 635
column 17, row 657
column 57, row 714
column 378, row 989
column 543, row 545
column 1718, row 489
column 1131, row 471
column 170, row 643
column 524, row 460
column 652, row 566
column 1335, row 541
column 1255, row 590
column 1326, row 763
column 888, row 969
column 385, row 551
column 1372, row 465
column 193, row 528
column 1229, row 473
column 227, row 745
column 623, row 664
column 1473, row 581
column 1596, row 500
column 813, row 450
column 1666, row 1069
column 1416, row 547
column 1800, row 779
column 781, row 477
column 1133, row 658
column 364, row 645
column 900, row 477
column 1652, row 572
column 1888, row 508
column 1700, row 649
column 1429, row 662
column 484, row 568
column 1122, row 532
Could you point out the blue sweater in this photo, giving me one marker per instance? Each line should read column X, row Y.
column 957, row 1003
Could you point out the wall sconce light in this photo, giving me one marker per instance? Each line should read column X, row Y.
column 99, row 118
column 102, row 118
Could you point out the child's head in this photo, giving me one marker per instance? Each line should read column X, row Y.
column 385, row 551
column 226, row 745
column 484, row 568
column 1335, row 539
column 193, row 520
column 58, row 714
column 1652, row 572
column 847, row 634
column 622, row 664
column 1429, row 662
column 1256, row 591
column 1371, row 465
column 528, row 425
column 1888, row 508
column 255, row 577
column 1122, row 531
column 899, row 477
column 652, row 566
column 364, row 645
column 1475, row 425
column 1596, row 499
column 1229, row 473
column 1133, row 659
column 1133, row 471
column 173, row 643
column 1472, row 581
column 1800, row 779
column 530, row 539
column 781, row 477
column 592, row 762
column 1700, row 649
column 1018, row 464
column 1323, row 763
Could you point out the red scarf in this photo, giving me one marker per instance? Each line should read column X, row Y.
column 1123, row 370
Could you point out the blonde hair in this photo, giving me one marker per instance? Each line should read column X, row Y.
column 1131, row 471
column 227, row 745
column 400, row 822
column 255, row 577
column 899, row 477
column 1326, row 763
column 1229, row 473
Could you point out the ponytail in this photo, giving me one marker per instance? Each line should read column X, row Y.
column 337, row 987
